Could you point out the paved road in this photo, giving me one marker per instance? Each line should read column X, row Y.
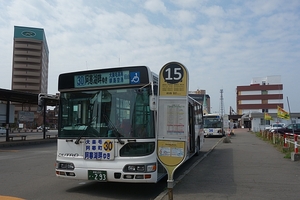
column 246, row 168
column 34, row 164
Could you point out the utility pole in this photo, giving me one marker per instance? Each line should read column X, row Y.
column 221, row 103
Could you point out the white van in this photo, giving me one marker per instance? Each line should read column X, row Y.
column 275, row 126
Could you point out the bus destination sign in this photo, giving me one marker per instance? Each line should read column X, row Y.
column 102, row 79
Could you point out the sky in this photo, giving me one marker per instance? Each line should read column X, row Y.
column 222, row 43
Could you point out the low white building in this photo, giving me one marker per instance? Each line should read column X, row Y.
column 259, row 123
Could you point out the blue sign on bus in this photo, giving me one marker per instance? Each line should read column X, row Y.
column 134, row 77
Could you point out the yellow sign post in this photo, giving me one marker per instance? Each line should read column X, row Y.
column 172, row 118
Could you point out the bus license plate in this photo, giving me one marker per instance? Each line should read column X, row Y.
column 97, row 175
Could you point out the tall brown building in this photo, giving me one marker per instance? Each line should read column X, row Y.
column 30, row 60
column 262, row 95
column 30, row 64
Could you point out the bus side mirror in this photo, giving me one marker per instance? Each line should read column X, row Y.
column 155, row 89
column 153, row 102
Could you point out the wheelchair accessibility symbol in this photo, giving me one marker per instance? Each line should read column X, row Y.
column 134, row 77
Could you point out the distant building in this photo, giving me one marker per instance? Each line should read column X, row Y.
column 262, row 95
column 202, row 97
column 258, row 121
column 30, row 64
column 30, row 60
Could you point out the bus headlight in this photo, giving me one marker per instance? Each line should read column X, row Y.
column 151, row 167
column 140, row 168
column 130, row 168
column 66, row 166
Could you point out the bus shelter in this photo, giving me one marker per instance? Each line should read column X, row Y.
column 9, row 96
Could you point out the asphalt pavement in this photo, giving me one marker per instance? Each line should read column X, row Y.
column 246, row 168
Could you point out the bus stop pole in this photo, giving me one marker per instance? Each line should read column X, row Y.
column 170, row 189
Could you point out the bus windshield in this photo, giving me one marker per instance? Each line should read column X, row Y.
column 212, row 122
column 110, row 113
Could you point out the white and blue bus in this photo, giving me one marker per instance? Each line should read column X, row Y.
column 213, row 125
column 107, row 126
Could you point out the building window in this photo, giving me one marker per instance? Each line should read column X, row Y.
column 264, row 92
column 265, row 110
column 264, row 122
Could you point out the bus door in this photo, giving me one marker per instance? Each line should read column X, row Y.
column 191, row 128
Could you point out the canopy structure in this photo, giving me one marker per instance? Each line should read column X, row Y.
column 24, row 97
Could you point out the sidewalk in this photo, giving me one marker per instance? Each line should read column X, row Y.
column 246, row 168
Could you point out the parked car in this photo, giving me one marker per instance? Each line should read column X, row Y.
column 2, row 130
column 275, row 126
column 291, row 128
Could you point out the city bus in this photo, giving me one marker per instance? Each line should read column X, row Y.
column 107, row 128
column 213, row 125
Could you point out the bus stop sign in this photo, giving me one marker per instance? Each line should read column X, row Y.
column 173, row 80
column 172, row 124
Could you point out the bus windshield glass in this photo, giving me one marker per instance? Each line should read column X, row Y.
column 212, row 122
column 110, row 113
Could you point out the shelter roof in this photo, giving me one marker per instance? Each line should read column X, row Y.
column 23, row 97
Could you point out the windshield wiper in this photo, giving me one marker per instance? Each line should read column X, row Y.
column 78, row 139
column 114, row 129
column 80, row 136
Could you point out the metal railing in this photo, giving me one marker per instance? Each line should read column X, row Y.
column 291, row 139
column 287, row 140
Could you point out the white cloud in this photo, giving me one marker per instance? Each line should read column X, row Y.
column 155, row 6
column 214, row 11
column 183, row 17
column 189, row 3
column 264, row 7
